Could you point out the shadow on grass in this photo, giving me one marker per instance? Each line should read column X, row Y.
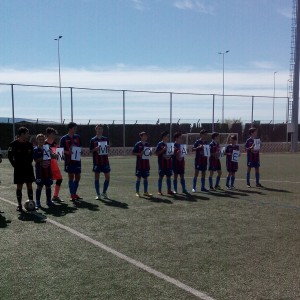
column 275, row 190
column 59, row 210
column 86, row 205
column 186, row 197
column 114, row 203
column 4, row 221
column 34, row 216
column 251, row 191
column 160, row 200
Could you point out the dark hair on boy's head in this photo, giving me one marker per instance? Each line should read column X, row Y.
column 233, row 137
column 203, row 131
column 252, row 129
column 142, row 133
column 50, row 130
column 71, row 125
column 214, row 135
column 22, row 130
column 164, row 133
column 99, row 125
column 177, row 135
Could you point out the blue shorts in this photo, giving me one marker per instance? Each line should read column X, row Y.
column 42, row 182
column 104, row 169
column 167, row 172
column 179, row 171
column 216, row 166
column 142, row 173
column 73, row 169
column 253, row 164
column 201, row 167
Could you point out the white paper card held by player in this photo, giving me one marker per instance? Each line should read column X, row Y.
column 76, row 153
column 103, row 148
column 147, row 152
column 235, row 156
column 206, row 150
column 46, row 152
column 183, row 150
column 256, row 144
column 60, row 153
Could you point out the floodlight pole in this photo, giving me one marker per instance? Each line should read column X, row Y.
column 274, row 89
column 59, row 77
column 223, row 54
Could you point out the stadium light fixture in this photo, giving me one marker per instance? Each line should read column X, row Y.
column 274, row 90
column 59, row 77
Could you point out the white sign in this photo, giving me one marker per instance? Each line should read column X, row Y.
column 183, row 150
column 256, row 144
column 235, row 156
column 206, row 150
column 222, row 152
column 103, row 148
column 147, row 152
column 76, row 153
column 46, row 152
column 60, row 153
column 170, row 149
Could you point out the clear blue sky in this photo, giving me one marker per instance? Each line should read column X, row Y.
column 169, row 45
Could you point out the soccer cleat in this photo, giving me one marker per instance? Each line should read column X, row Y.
column 78, row 197
column 73, row 198
column 1, row 211
column 174, row 192
column 258, row 185
column 185, row 191
column 171, row 193
column 248, row 185
column 147, row 194
column 204, row 190
column 232, row 187
column 20, row 208
column 98, row 197
column 57, row 199
column 193, row 190
column 104, row 196
column 228, row 187
column 138, row 195
column 160, row 193
column 50, row 203
column 211, row 188
column 38, row 204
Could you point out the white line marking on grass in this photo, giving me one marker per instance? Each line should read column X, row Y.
column 130, row 260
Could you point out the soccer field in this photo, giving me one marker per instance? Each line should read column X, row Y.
column 242, row 244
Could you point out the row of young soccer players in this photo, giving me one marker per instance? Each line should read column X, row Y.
column 169, row 164
column 21, row 154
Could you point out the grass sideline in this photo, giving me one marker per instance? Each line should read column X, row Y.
column 240, row 244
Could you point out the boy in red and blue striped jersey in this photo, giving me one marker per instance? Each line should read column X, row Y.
column 253, row 160
column 200, row 160
column 231, row 163
column 43, row 172
column 164, row 162
column 72, row 166
column 100, row 161
column 142, row 151
column 178, row 163
column 214, row 161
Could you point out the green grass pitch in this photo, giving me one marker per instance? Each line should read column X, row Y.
column 242, row 244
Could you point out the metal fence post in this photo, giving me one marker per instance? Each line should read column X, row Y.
column 124, row 132
column 71, row 90
column 171, row 108
column 213, row 114
column 13, row 111
column 252, row 108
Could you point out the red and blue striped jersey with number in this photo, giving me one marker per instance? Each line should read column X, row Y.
column 164, row 161
column 252, row 155
column 99, row 160
column 42, row 168
column 141, row 164
column 200, row 159
column 231, row 165
column 178, row 161
column 214, row 154
column 67, row 142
